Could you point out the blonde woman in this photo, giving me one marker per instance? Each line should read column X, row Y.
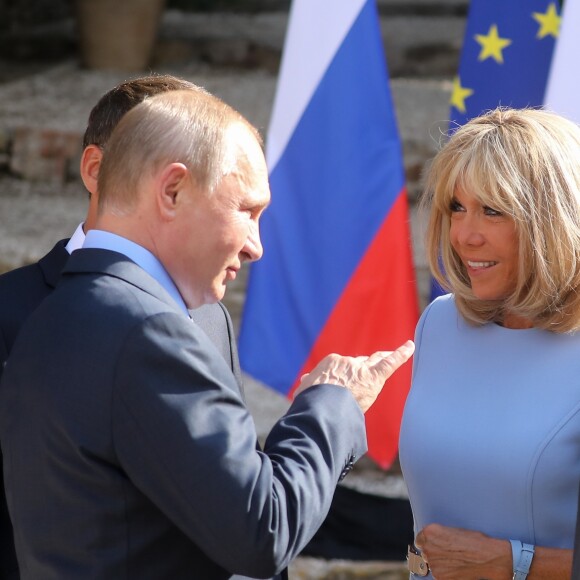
column 490, row 439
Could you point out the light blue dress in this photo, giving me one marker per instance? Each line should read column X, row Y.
column 490, row 437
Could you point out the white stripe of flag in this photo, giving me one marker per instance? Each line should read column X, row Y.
column 302, row 68
column 563, row 89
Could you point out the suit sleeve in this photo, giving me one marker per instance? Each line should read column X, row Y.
column 3, row 353
column 185, row 438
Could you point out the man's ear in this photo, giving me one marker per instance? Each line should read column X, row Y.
column 171, row 185
column 90, row 165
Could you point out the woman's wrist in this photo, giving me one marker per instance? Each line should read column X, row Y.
column 499, row 565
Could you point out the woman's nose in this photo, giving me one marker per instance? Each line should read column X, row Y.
column 467, row 232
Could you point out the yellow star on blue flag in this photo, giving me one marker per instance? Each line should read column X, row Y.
column 459, row 94
column 492, row 44
column 549, row 22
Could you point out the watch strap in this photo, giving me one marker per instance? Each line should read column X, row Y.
column 522, row 555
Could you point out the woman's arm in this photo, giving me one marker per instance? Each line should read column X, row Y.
column 458, row 554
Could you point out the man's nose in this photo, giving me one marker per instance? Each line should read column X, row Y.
column 253, row 247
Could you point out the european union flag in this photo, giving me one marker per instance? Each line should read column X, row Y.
column 506, row 59
column 506, row 56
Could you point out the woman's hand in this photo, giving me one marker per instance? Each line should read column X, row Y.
column 457, row 554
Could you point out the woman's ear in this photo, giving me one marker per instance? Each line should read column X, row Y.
column 90, row 165
column 171, row 185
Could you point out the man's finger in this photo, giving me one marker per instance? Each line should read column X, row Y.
column 388, row 364
column 380, row 354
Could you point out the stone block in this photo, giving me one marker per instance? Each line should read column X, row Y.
column 41, row 154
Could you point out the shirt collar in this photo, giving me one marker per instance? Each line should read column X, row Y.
column 138, row 254
column 77, row 239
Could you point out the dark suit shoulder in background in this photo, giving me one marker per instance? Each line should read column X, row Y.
column 21, row 291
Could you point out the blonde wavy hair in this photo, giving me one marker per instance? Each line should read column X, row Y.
column 526, row 164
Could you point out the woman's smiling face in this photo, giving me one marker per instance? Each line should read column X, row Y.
column 487, row 243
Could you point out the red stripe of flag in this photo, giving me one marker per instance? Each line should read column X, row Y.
column 377, row 311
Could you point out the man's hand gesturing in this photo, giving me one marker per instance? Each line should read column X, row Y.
column 363, row 376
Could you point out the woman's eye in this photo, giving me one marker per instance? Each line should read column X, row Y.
column 491, row 212
column 455, row 206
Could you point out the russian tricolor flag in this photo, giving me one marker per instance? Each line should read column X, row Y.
column 337, row 273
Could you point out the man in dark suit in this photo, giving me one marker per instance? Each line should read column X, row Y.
column 138, row 457
column 23, row 289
